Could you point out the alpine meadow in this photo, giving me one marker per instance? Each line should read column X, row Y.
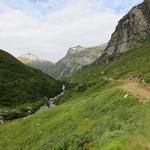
column 94, row 98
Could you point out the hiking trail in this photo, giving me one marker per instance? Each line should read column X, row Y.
column 139, row 90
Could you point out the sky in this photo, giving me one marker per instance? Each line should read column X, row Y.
column 47, row 28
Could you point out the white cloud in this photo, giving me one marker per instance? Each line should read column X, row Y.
column 49, row 36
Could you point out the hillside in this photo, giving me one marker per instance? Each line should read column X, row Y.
column 76, row 58
column 44, row 65
column 22, row 88
column 95, row 113
column 105, row 105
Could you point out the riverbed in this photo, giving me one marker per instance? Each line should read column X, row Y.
column 52, row 100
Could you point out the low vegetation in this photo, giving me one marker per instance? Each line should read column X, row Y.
column 95, row 113
column 22, row 88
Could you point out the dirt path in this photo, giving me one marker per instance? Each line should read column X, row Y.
column 137, row 89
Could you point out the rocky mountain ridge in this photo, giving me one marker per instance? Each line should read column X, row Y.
column 75, row 59
column 130, row 31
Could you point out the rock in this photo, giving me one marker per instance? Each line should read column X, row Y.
column 130, row 31
column 29, row 111
column 126, row 96
column 51, row 105
column 143, row 81
column 1, row 120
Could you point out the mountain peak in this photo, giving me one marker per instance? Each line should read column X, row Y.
column 75, row 50
column 30, row 57
column 76, row 58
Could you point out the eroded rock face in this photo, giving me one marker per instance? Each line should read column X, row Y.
column 130, row 31
column 76, row 58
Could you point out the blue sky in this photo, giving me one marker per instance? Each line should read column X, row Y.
column 46, row 6
column 47, row 28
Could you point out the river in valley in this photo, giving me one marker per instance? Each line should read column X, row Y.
column 51, row 101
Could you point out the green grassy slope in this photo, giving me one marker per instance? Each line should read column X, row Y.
column 94, row 114
column 22, row 87
column 132, row 64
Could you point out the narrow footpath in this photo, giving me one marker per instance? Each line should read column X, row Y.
column 137, row 89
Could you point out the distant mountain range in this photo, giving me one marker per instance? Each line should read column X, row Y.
column 35, row 62
column 105, row 106
column 75, row 59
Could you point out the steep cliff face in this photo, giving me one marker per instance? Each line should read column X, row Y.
column 76, row 58
column 130, row 31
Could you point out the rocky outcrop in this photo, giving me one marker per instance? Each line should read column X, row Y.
column 130, row 31
column 1, row 120
column 76, row 58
